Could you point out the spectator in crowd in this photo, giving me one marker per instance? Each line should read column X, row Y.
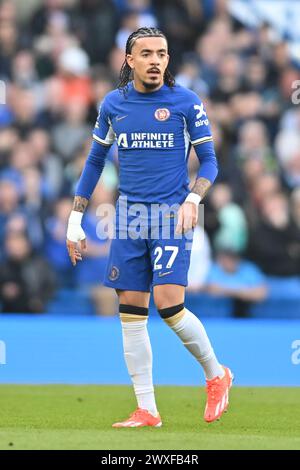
column 262, row 186
column 102, row 83
column 9, row 203
column 231, row 276
column 9, row 43
column 181, row 21
column 97, row 19
column 8, row 11
column 200, row 261
column 48, row 163
column 251, row 157
column 274, row 242
column 288, row 151
column 69, row 135
column 26, row 280
column 45, row 11
column 231, row 220
column 189, row 77
column 24, row 73
column 129, row 23
column 295, row 206
column 55, row 242
column 73, row 76
column 23, row 102
column 9, row 138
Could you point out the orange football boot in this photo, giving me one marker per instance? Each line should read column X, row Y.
column 138, row 419
column 218, row 396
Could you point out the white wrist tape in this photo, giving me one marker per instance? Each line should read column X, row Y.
column 193, row 197
column 75, row 218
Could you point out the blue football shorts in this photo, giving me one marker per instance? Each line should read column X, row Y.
column 148, row 254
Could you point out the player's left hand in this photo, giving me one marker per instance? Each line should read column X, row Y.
column 187, row 217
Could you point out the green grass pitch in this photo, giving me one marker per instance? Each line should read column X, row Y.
column 80, row 417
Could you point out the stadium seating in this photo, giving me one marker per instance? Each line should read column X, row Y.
column 283, row 302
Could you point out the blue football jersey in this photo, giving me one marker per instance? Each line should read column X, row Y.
column 154, row 133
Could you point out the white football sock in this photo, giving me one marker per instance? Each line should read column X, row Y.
column 193, row 335
column 138, row 358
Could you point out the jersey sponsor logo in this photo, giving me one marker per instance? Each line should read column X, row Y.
column 162, row 114
column 200, row 109
column 146, row 140
column 114, row 274
column 202, row 122
column 201, row 112
column 122, row 140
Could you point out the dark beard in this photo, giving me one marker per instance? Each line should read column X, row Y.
column 150, row 86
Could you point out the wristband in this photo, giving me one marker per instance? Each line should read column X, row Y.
column 75, row 218
column 193, row 197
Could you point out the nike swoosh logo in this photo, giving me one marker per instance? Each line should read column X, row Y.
column 164, row 274
column 119, row 118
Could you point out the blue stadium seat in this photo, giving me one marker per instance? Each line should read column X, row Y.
column 284, row 287
column 283, row 300
column 71, row 302
column 204, row 305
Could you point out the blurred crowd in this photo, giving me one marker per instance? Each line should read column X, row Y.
column 59, row 58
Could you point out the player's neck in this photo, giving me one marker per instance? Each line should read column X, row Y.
column 138, row 86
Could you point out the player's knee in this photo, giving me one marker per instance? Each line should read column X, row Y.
column 132, row 313
column 172, row 315
column 168, row 295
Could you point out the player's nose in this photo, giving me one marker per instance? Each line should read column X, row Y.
column 155, row 60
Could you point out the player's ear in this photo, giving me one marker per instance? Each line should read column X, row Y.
column 129, row 60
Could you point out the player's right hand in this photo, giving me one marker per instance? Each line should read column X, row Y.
column 75, row 237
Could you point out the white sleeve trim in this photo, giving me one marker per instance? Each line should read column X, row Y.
column 208, row 138
column 187, row 139
column 110, row 136
column 101, row 141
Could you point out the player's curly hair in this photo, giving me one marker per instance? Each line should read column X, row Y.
column 126, row 72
